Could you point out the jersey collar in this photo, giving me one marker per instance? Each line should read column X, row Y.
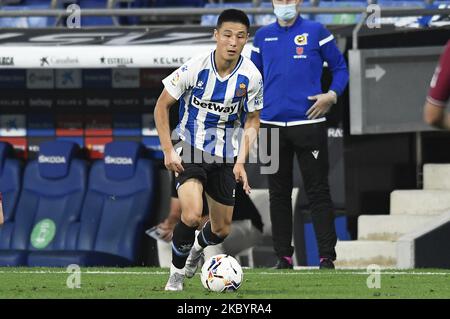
column 213, row 63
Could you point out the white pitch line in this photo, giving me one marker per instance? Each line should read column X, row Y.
column 37, row 272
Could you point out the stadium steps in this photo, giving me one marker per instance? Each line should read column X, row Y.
column 361, row 253
column 420, row 202
column 410, row 210
column 389, row 227
column 436, row 177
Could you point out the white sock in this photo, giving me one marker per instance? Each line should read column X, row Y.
column 174, row 269
column 197, row 246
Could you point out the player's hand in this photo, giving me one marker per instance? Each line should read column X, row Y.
column 172, row 161
column 322, row 106
column 240, row 175
column 165, row 230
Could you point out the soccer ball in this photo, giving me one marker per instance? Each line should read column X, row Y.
column 221, row 273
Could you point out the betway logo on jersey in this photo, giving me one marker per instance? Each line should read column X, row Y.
column 215, row 108
column 51, row 159
column 118, row 160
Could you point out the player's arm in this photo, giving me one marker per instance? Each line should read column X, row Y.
column 252, row 106
column 251, row 129
column 172, row 160
column 436, row 116
column 435, row 106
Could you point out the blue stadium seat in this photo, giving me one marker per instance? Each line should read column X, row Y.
column 10, row 185
column 401, row 3
column 344, row 18
column 179, row 3
column 109, row 21
column 50, row 203
column 93, row 21
column 116, row 208
column 132, row 20
column 211, row 19
column 28, row 22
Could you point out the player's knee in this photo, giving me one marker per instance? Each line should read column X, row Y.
column 191, row 220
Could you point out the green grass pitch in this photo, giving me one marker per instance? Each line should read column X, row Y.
column 258, row 283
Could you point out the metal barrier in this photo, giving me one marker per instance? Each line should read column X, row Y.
column 180, row 12
column 188, row 12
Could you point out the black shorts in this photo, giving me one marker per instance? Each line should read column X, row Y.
column 217, row 177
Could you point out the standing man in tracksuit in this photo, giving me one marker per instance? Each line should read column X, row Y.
column 290, row 54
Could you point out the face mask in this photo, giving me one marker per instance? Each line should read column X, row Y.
column 285, row 12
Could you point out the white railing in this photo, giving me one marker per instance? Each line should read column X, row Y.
column 180, row 12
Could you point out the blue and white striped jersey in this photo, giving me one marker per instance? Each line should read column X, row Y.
column 211, row 107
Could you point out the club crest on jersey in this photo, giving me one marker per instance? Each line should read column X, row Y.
column 301, row 39
column 199, row 85
column 299, row 53
column 242, row 90
column 175, row 79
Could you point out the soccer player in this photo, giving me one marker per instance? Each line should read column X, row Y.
column 439, row 93
column 290, row 54
column 216, row 91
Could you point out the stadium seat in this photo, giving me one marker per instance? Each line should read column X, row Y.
column 10, row 184
column 92, row 20
column 211, row 19
column 110, row 21
column 343, row 18
column 115, row 211
column 27, row 22
column 179, row 3
column 49, row 206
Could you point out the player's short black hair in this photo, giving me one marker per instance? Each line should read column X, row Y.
column 233, row 15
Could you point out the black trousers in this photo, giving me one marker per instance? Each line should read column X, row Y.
column 309, row 142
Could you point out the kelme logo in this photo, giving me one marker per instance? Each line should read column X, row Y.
column 43, row 233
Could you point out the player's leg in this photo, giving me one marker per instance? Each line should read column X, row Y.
column 190, row 196
column 213, row 233
column 312, row 156
column 220, row 191
column 219, row 225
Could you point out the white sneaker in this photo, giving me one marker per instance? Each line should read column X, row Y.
column 192, row 262
column 175, row 282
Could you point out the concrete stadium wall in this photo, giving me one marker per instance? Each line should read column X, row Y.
column 428, row 247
